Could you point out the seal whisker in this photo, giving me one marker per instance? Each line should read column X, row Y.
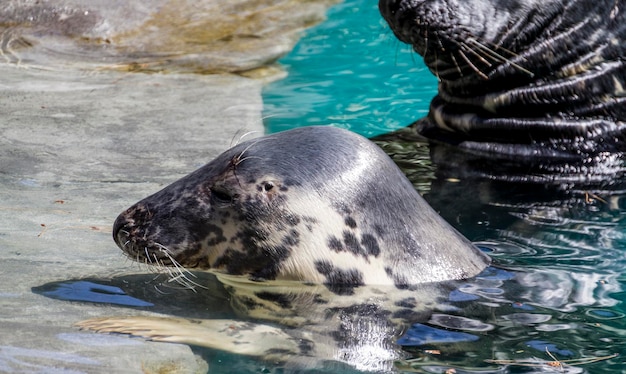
column 471, row 65
column 156, row 287
column 238, row 158
column 425, row 41
column 176, row 271
column 498, row 57
column 185, row 282
column 458, row 67
column 482, row 59
column 148, row 260
column 249, row 157
column 159, row 264
column 485, row 46
column 233, row 143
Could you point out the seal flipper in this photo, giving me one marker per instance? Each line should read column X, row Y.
column 222, row 334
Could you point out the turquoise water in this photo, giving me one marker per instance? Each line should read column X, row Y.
column 350, row 72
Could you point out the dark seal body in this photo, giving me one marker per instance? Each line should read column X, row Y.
column 538, row 79
column 318, row 205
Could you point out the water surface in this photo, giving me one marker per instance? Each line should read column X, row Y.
column 350, row 71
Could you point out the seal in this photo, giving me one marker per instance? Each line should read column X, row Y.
column 538, row 79
column 315, row 229
column 317, row 204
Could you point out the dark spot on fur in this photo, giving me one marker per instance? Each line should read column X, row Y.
column 401, row 285
column 258, row 261
column 283, row 189
column 279, row 299
column 292, row 239
column 229, row 257
column 379, row 230
column 309, row 219
column 398, row 281
column 371, row 245
column 335, row 244
column 389, row 271
column 338, row 281
column 292, row 220
column 216, row 235
column 350, row 222
column 352, row 243
column 271, row 266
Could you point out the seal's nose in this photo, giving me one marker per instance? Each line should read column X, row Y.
column 119, row 235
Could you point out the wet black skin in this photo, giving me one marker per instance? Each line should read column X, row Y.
column 521, row 79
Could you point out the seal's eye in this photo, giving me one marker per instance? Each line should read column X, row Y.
column 221, row 195
column 268, row 186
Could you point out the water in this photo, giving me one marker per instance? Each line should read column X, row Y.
column 557, row 290
column 350, row 72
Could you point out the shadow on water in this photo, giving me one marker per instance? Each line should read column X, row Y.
column 153, row 292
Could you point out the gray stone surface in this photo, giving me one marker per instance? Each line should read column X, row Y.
column 76, row 149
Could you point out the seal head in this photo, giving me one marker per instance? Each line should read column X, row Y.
column 521, row 77
column 315, row 204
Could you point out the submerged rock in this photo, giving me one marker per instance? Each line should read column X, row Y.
column 206, row 36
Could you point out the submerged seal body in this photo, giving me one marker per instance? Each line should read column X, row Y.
column 521, row 78
column 318, row 205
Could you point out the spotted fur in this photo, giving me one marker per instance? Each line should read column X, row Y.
column 317, row 204
column 315, row 229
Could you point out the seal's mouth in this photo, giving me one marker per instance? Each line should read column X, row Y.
column 136, row 246
column 456, row 46
column 146, row 242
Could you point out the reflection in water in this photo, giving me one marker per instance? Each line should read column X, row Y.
column 295, row 326
column 561, row 237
